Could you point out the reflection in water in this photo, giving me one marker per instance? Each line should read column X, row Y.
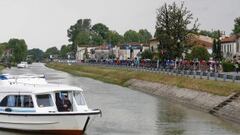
column 170, row 118
column 129, row 112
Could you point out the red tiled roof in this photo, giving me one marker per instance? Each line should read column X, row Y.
column 230, row 39
column 201, row 40
column 154, row 39
column 102, row 47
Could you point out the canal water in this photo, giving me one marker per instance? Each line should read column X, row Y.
column 130, row 112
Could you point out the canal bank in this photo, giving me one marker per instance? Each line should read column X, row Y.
column 218, row 98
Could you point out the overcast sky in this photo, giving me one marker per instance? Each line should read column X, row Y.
column 44, row 23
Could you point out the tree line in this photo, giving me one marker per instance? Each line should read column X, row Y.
column 82, row 34
column 174, row 26
column 13, row 51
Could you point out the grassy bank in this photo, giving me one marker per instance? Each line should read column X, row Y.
column 120, row 76
column 1, row 68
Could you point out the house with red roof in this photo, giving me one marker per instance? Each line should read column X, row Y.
column 230, row 46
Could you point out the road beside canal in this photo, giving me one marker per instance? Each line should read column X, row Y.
column 218, row 98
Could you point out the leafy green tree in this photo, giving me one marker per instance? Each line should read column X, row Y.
column 96, row 39
column 199, row 53
column 214, row 49
column 217, row 51
column 82, row 26
column 114, row 38
column 2, row 48
column 147, row 54
column 83, row 39
column 219, row 48
column 51, row 51
column 172, row 29
column 101, row 30
column 36, row 54
column 236, row 29
column 144, row 36
column 19, row 49
column 64, row 51
column 131, row 36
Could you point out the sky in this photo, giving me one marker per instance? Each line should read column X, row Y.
column 44, row 23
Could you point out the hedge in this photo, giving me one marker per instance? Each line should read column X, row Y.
column 227, row 67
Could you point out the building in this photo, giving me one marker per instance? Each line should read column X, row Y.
column 230, row 46
column 102, row 52
column 153, row 44
column 129, row 51
column 84, row 52
column 198, row 40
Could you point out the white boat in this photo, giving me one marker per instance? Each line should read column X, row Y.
column 25, row 106
column 22, row 65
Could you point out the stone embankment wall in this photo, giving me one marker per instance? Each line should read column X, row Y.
column 197, row 99
column 231, row 111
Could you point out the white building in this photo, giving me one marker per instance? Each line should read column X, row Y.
column 129, row 51
column 230, row 46
column 83, row 50
column 102, row 52
column 154, row 45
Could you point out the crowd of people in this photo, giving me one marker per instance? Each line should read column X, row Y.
column 212, row 66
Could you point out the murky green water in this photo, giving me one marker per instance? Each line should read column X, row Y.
column 129, row 112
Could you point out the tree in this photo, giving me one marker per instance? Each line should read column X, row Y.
column 64, row 51
column 36, row 54
column 101, row 30
column 147, row 54
column 82, row 39
column 199, row 53
column 2, row 48
column 131, row 36
column 172, row 29
column 114, row 38
column 219, row 48
column 144, row 36
column 217, row 51
column 236, row 29
column 53, row 51
column 19, row 49
column 82, row 25
column 214, row 49
column 96, row 39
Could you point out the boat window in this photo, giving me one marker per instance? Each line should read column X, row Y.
column 79, row 98
column 17, row 101
column 44, row 100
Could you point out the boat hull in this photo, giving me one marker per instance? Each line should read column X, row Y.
column 74, row 124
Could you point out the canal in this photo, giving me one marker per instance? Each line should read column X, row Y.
column 130, row 112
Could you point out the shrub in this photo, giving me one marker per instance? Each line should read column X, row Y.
column 227, row 67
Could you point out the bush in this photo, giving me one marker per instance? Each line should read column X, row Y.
column 227, row 67
column 147, row 54
column 200, row 53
